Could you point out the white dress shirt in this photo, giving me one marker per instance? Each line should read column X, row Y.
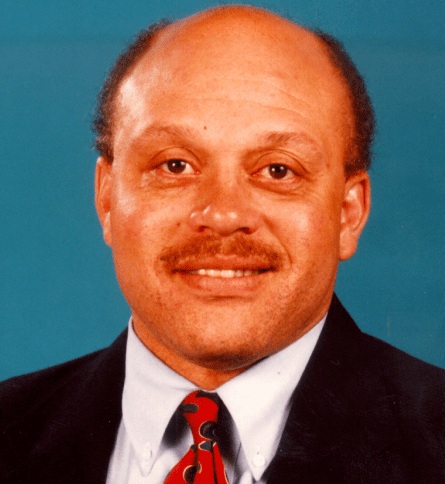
column 152, row 436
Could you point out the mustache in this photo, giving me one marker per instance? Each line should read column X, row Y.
column 210, row 246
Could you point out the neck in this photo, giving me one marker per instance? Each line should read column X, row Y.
column 207, row 378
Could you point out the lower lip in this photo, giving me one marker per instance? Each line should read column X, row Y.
column 222, row 286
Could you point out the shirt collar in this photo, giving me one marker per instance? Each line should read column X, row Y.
column 258, row 399
column 152, row 393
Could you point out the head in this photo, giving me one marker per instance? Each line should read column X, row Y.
column 227, row 187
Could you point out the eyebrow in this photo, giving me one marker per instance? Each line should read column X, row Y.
column 265, row 140
column 280, row 138
column 170, row 130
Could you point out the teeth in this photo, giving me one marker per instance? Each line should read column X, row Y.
column 227, row 273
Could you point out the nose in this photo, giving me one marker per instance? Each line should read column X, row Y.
column 224, row 209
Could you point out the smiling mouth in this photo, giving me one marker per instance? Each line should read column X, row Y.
column 226, row 273
column 223, row 277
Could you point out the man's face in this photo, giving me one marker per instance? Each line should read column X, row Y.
column 226, row 204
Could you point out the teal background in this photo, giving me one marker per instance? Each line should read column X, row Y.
column 59, row 296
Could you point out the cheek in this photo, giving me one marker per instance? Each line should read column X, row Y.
column 138, row 236
column 129, row 227
column 308, row 228
column 143, row 222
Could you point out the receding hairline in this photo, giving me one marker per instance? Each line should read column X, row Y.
column 235, row 14
column 359, row 114
column 191, row 26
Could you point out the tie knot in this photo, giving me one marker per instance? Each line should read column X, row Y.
column 201, row 412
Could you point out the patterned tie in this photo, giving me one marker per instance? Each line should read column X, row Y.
column 203, row 463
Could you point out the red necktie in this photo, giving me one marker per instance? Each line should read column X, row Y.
column 203, row 463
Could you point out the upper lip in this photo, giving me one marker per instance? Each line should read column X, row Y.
column 223, row 262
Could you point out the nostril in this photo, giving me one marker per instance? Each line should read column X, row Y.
column 225, row 220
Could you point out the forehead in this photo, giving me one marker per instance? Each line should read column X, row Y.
column 233, row 42
column 235, row 57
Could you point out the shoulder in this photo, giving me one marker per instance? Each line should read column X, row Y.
column 374, row 367
column 54, row 419
column 419, row 386
column 22, row 394
column 406, row 368
column 377, row 355
column 19, row 393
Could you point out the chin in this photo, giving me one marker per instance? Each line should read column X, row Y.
column 226, row 362
column 222, row 354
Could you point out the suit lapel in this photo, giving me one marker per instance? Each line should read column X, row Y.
column 69, row 436
column 341, row 417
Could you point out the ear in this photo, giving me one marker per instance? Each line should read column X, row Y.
column 102, row 185
column 355, row 211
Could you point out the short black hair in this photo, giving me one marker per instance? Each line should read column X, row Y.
column 359, row 149
column 103, row 118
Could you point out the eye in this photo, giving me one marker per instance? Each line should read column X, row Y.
column 277, row 171
column 177, row 167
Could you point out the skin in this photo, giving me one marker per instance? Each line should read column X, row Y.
column 237, row 96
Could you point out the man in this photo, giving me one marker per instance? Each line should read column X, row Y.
column 231, row 180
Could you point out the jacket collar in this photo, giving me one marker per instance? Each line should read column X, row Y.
column 341, row 414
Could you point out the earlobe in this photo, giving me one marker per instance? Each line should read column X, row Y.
column 355, row 211
column 103, row 196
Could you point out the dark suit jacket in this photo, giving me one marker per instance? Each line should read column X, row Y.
column 363, row 412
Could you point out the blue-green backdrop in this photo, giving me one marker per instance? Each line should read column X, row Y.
column 59, row 297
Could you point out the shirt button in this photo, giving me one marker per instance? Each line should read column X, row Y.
column 259, row 460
